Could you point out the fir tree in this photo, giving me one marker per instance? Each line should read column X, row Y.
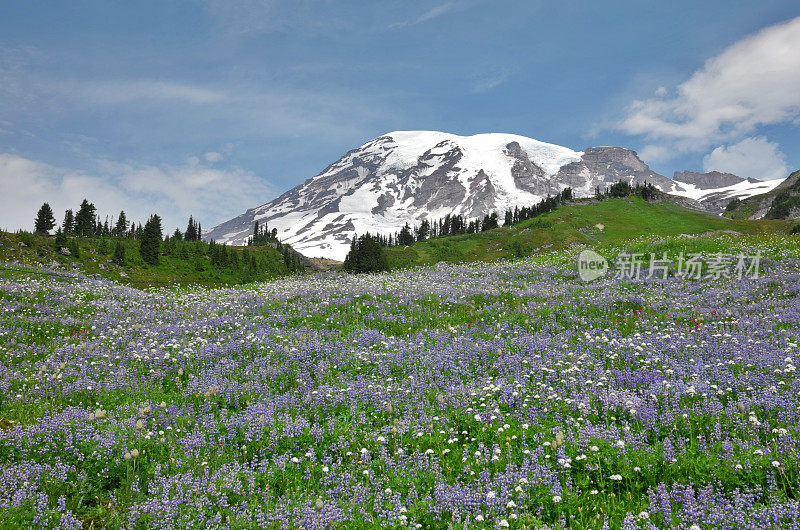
column 84, row 219
column 424, row 230
column 69, row 222
column 191, row 230
column 405, row 238
column 150, row 241
column 44, row 219
column 366, row 255
column 121, row 228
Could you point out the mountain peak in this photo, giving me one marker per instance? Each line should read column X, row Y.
column 407, row 176
column 708, row 180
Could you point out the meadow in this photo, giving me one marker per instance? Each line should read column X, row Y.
column 484, row 395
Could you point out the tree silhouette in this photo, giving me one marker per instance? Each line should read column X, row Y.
column 44, row 219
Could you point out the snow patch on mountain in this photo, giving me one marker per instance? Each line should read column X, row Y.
column 407, row 176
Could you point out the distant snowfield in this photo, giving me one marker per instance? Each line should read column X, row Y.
column 742, row 190
column 407, row 176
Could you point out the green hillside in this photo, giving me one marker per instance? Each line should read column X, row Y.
column 181, row 262
column 623, row 219
column 783, row 202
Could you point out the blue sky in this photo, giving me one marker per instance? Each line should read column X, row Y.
column 211, row 107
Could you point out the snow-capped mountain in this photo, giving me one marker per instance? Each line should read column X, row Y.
column 407, row 176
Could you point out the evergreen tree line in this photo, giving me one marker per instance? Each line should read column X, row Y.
column 86, row 223
column 262, row 236
column 366, row 255
column 186, row 245
column 624, row 189
column 548, row 204
column 446, row 226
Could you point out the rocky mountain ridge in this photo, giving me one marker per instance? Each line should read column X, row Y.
column 407, row 176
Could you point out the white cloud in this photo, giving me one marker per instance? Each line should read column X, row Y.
column 751, row 83
column 752, row 157
column 492, row 79
column 114, row 92
column 172, row 191
column 434, row 12
column 213, row 157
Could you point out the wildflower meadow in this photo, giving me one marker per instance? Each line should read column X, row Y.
column 504, row 395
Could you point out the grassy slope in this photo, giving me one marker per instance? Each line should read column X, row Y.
column 624, row 218
column 137, row 273
column 748, row 206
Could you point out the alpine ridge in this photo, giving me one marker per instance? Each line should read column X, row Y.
column 407, row 176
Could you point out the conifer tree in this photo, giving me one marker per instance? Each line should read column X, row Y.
column 405, row 237
column 121, row 228
column 366, row 255
column 68, row 225
column 84, row 219
column 150, row 241
column 191, row 230
column 44, row 219
column 424, row 230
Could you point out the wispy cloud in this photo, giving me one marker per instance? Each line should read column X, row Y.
column 492, row 79
column 750, row 84
column 430, row 14
column 125, row 91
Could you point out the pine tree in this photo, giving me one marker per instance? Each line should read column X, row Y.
column 121, row 228
column 69, row 222
column 405, row 237
column 84, row 219
column 424, row 230
column 150, row 241
column 366, row 255
column 191, row 230
column 44, row 219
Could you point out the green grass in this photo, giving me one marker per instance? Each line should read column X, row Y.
column 787, row 195
column 574, row 225
column 95, row 259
